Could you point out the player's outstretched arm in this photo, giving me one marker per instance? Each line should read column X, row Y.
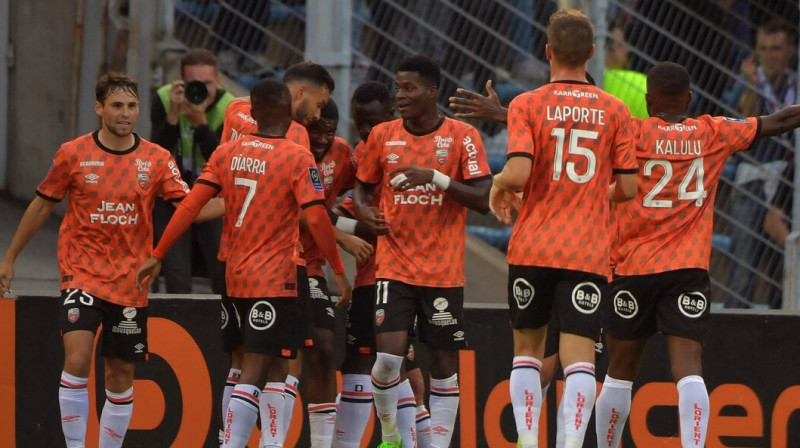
column 503, row 199
column 34, row 218
column 185, row 214
column 780, row 122
column 322, row 231
column 214, row 209
column 474, row 105
column 474, row 195
column 366, row 212
column 353, row 245
column 354, row 227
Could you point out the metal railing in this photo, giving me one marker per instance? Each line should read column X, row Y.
column 503, row 40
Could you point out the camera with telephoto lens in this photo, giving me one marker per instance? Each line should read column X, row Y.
column 195, row 92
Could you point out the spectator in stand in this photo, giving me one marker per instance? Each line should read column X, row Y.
column 769, row 71
column 778, row 220
column 627, row 85
column 191, row 131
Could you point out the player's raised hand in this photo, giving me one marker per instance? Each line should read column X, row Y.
column 6, row 275
column 356, row 247
column 503, row 203
column 345, row 290
column 148, row 273
column 474, row 105
column 410, row 177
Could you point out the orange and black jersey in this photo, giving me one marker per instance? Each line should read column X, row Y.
column 426, row 244
column 578, row 137
column 265, row 181
column 668, row 226
column 107, row 231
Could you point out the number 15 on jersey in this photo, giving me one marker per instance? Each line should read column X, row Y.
column 575, row 148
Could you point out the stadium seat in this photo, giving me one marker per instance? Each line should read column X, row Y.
column 497, row 237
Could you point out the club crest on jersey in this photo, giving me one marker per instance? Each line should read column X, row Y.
column 442, row 146
column 441, row 156
column 73, row 315
column 380, row 315
column 315, row 180
column 144, row 180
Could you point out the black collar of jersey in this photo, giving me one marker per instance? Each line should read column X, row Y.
column 431, row 130
column 568, row 81
column 258, row 134
column 136, row 140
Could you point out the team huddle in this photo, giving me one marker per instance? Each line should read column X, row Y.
column 612, row 221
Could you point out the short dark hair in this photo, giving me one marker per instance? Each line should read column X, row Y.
column 330, row 111
column 668, row 78
column 198, row 56
column 372, row 91
column 775, row 26
column 570, row 35
column 270, row 94
column 424, row 65
column 111, row 81
column 309, row 71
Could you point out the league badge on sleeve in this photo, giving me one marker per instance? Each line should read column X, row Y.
column 315, row 179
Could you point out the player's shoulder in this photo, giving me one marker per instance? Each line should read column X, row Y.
column 529, row 97
column 456, row 126
column 151, row 148
column 298, row 128
column 81, row 142
column 720, row 121
column 389, row 126
column 341, row 144
column 287, row 148
column 239, row 108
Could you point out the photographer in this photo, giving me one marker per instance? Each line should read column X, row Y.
column 186, row 118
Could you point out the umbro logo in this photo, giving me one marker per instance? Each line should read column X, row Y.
column 139, row 347
column 92, row 178
column 392, row 158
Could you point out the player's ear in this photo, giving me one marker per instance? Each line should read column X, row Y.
column 299, row 92
column 98, row 107
column 548, row 52
column 591, row 52
column 433, row 90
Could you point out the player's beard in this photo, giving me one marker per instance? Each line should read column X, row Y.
column 303, row 113
column 119, row 131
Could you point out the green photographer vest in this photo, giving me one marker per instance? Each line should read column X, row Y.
column 215, row 116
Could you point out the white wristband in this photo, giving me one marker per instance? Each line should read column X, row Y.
column 346, row 225
column 440, row 180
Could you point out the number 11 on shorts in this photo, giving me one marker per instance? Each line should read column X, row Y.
column 382, row 292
